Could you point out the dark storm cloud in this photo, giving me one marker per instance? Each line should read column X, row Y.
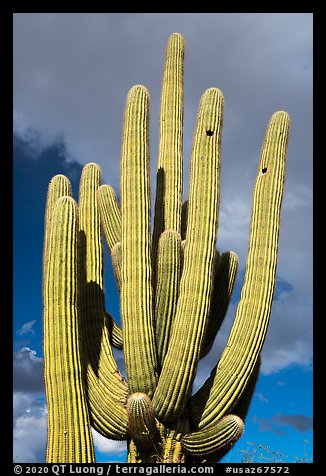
column 27, row 371
column 299, row 422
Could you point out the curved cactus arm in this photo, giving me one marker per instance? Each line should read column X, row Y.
column 228, row 380
column 167, row 288
column 115, row 331
column 168, row 201
column 110, row 214
column 100, row 369
column 224, row 280
column 196, row 282
column 136, row 286
column 69, row 432
column 214, row 441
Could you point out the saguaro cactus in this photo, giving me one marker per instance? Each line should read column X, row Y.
column 174, row 286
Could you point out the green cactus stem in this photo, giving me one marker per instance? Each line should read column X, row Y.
column 136, row 290
column 215, row 439
column 106, row 387
column 66, row 399
column 179, row 367
column 167, row 287
column 168, row 204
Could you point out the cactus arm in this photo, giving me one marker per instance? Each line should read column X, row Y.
column 100, row 369
column 115, row 331
column 168, row 201
column 224, row 388
column 59, row 186
column 215, row 440
column 197, row 277
column 224, row 280
column 69, row 432
column 136, row 286
column 167, row 286
column 110, row 215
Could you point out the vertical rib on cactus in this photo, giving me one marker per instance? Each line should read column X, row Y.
column 168, row 272
column 179, row 367
column 168, row 202
column 66, row 403
column 246, row 339
column 136, row 287
column 101, row 371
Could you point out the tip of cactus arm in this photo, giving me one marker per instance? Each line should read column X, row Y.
column 137, row 89
column 92, row 165
column 66, row 201
column 281, row 115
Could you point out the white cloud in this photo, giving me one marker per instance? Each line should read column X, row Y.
column 29, row 431
column 27, row 328
column 108, row 447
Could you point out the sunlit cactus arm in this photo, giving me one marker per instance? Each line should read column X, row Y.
column 215, row 440
column 228, row 380
column 101, row 371
column 168, row 274
column 136, row 286
column 110, row 214
column 69, row 432
column 196, row 282
column 59, row 186
column 224, row 280
column 168, row 201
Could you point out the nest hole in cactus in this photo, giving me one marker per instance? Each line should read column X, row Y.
column 264, row 170
column 209, row 133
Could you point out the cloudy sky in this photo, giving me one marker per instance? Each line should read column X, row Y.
column 71, row 76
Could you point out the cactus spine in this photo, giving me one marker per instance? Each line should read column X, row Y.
column 174, row 287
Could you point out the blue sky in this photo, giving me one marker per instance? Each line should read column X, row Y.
column 65, row 115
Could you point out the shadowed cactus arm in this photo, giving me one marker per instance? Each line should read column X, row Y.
column 168, row 202
column 66, row 402
column 106, row 388
column 226, row 272
column 224, row 388
column 168, row 274
column 110, row 215
column 179, row 367
column 136, row 284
